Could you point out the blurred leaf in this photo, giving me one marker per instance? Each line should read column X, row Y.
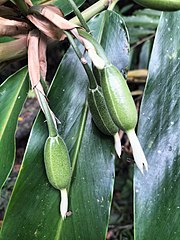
column 142, row 24
column 145, row 54
column 33, row 212
column 62, row 4
column 126, row 8
column 148, row 12
column 6, row 39
column 142, row 20
column 157, row 193
column 13, row 93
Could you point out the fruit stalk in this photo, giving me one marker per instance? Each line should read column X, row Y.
column 22, row 6
column 92, row 80
column 79, row 15
column 91, row 11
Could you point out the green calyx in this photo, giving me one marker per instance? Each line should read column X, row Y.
column 162, row 5
column 100, row 113
column 118, row 98
column 57, row 162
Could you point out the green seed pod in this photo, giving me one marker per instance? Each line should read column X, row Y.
column 100, row 113
column 97, row 74
column 58, row 168
column 162, row 5
column 101, row 116
column 118, row 98
column 57, row 162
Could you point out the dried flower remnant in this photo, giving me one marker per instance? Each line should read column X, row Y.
column 12, row 27
column 13, row 49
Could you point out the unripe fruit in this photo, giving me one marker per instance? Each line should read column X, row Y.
column 118, row 98
column 57, row 162
column 119, row 103
column 58, row 168
column 162, row 5
column 100, row 113
column 122, row 109
column 102, row 118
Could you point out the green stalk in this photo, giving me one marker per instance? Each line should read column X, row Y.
column 22, row 6
column 91, row 11
column 79, row 15
column 48, row 114
column 112, row 5
column 92, row 80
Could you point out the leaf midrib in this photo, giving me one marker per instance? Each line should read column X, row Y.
column 75, row 155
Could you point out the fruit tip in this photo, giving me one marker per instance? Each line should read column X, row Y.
column 64, row 203
column 139, row 156
column 117, row 144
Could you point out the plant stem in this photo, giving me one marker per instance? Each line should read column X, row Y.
column 48, row 114
column 112, row 5
column 79, row 15
column 91, row 11
column 22, row 6
column 91, row 77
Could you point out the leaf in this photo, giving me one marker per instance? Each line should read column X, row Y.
column 63, row 5
column 33, row 211
column 101, row 29
column 13, row 93
column 142, row 23
column 157, row 194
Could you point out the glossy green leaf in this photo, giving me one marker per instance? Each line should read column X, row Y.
column 62, row 4
column 157, row 193
column 33, row 212
column 13, row 93
column 105, row 32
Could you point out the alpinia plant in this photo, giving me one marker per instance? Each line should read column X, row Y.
column 74, row 156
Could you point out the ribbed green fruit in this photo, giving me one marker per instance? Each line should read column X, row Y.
column 118, row 98
column 100, row 113
column 57, row 162
column 162, row 5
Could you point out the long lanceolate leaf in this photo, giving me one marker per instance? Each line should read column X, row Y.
column 13, row 93
column 33, row 212
column 157, row 194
